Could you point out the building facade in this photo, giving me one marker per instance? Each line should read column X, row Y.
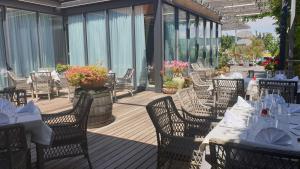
column 118, row 34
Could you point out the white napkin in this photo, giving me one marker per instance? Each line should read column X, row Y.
column 296, row 78
column 233, row 120
column 28, row 108
column 280, row 77
column 273, row 136
column 241, row 103
column 4, row 119
column 278, row 99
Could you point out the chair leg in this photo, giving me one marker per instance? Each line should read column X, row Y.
column 49, row 97
column 85, row 149
column 40, row 158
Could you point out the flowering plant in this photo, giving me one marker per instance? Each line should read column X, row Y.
column 176, row 67
column 89, row 77
column 271, row 64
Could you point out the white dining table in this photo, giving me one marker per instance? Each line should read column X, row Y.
column 36, row 130
column 248, row 129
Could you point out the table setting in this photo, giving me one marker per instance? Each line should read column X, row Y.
column 29, row 116
column 269, row 122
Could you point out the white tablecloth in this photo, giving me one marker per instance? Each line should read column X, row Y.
column 227, row 132
column 37, row 130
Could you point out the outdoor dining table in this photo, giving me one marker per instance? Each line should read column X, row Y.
column 29, row 116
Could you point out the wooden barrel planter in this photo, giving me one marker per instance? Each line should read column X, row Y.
column 101, row 109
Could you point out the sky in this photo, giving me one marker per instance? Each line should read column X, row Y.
column 264, row 25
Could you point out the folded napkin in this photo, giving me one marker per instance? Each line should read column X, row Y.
column 28, row 108
column 233, row 120
column 242, row 103
column 280, row 77
column 273, row 136
column 277, row 98
column 4, row 119
column 296, row 78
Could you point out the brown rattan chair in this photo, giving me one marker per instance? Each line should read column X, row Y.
column 178, row 139
column 70, row 129
column 14, row 151
column 17, row 96
column 194, row 109
column 286, row 88
column 243, row 155
column 201, row 87
column 226, row 93
column 42, row 83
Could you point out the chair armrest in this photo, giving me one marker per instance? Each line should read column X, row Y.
column 59, row 119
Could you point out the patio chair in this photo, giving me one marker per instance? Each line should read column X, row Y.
column 111, row 85
column 226, row 92
column 178, row 139
column 17, row 96
column 243, row 155
column 70, row 129
column 126, row 81
column 42, row 83
column 14, row 151
column 286, row 88
column 194, row 109
column 195, row 66
column 19, row 83
column 63, row 83
column 201, row 87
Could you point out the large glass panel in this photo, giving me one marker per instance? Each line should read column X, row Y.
column 201, row 41
column 192, row 43
column 23, row 41
column 169, row 31
column 96, row 38
column 182, row 36
column 76, row 40
column 207, row 43
column 51, row 40
column 2, row 55
column 214, row 44
column 140, row 44
column 120, row 40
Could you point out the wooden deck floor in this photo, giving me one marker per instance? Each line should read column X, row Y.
column 128, row 142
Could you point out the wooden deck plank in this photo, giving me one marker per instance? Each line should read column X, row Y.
column 128, row 142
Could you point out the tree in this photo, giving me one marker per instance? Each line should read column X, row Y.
column 227, row 42
column 271, row 43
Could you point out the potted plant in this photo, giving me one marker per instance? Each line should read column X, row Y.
column 169, row 87
column 92, row 79
column 176, row 69
column 271, row 65
column 61, row 68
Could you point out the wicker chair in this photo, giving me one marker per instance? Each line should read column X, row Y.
column 231, row 155
column 126, row 81
column 70, row 129
column 111, row 85
column 226, row 92
column 195, row 66
column 178, row 139
column 201, row 87
column 42, row 83
column 17, row 96
column 14, row 151
column 287, row 89
column 194, row 109
column 19, row 83
column 63, row 83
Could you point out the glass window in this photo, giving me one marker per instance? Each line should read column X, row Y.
column 192, row 43
column 201, row 41
column 23, row 41
column 96, row 38
column 169, row 32
column 76, row 40
column 2, row 55
column 182, row 36
column 121, row 40
column 207, row 43
column 214, row 44
column 52, row 47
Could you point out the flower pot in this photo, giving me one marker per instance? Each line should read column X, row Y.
column 180, row 82
column 169, row 90
column 101, row 108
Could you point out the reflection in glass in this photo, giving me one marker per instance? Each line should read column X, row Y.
column 76, row 40
column 96, row 38
column 207, row 43
column 169, row 31
column 23, row 41
column 2, row 56
column 200, row 41
column 214, row 44
column 120, row 40
column 192, row 43
column 182, row 36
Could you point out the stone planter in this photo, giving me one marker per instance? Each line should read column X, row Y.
column 180, row 81
column 101, row 108
column 169, row 90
